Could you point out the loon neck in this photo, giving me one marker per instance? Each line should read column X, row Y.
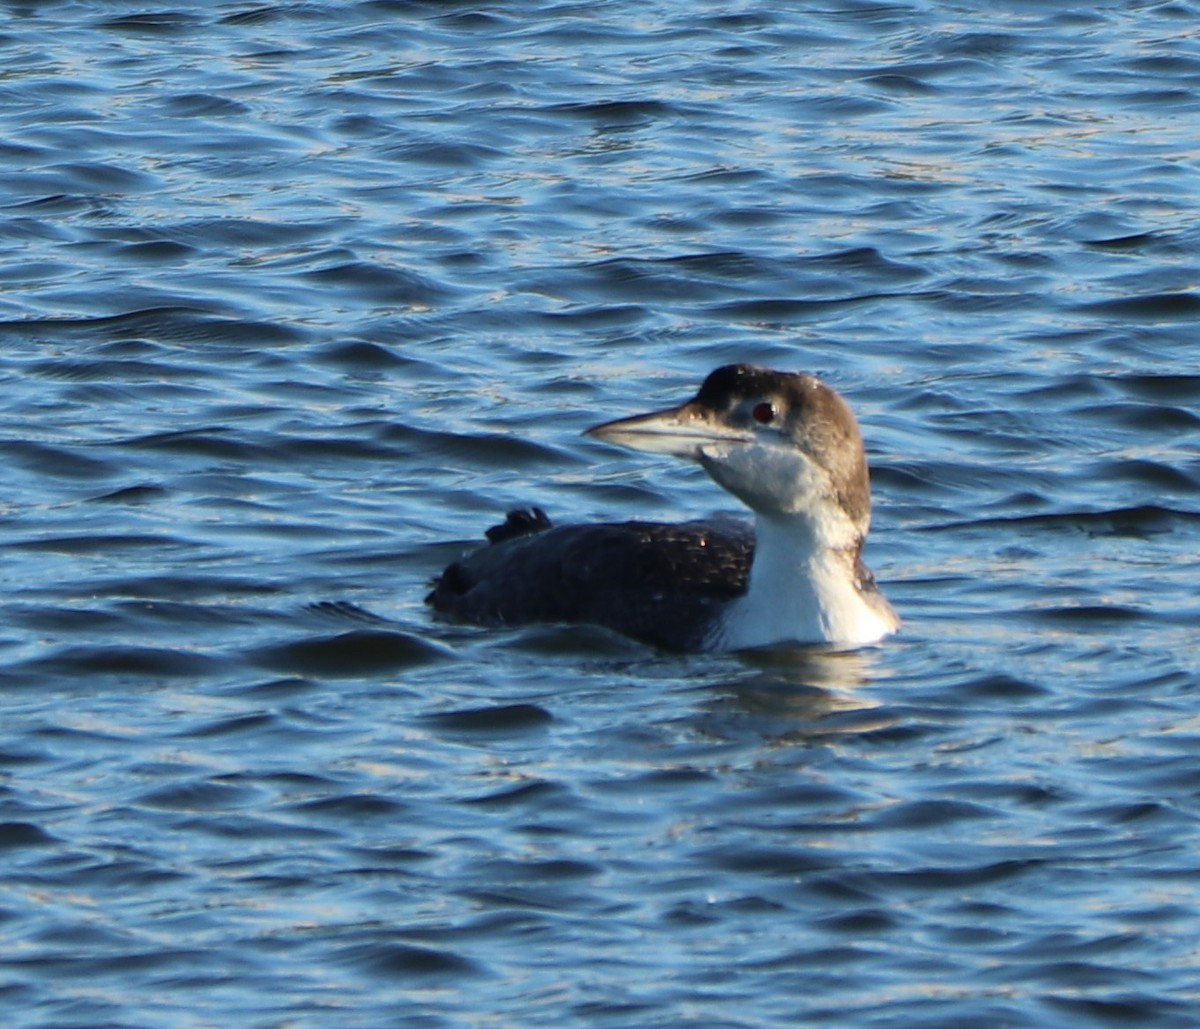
column 804, row 588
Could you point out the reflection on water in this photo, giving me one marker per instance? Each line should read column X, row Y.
column 794, row 696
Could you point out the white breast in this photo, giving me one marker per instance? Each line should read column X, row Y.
column 801, row 592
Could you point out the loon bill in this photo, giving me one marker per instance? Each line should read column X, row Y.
column 787, row 446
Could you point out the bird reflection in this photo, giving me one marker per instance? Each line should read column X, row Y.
column 797, row 694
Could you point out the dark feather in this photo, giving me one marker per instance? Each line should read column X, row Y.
column 660, row 583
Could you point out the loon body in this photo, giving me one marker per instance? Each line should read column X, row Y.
column 786, row 445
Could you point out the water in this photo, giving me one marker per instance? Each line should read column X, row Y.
column 299, row 298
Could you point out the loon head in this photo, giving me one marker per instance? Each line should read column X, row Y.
column 784, row 443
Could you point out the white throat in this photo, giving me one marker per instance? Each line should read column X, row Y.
column 802, row 590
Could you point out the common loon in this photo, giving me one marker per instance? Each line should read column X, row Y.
column 787, row 446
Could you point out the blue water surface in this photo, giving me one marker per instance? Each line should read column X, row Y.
column 299, row 298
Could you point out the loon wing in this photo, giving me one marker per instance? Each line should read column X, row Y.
column 660, row 583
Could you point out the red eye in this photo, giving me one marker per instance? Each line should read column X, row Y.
column 763, row 413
